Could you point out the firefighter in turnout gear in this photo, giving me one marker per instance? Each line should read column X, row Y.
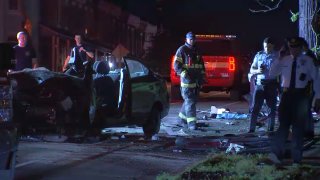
column 189, row 65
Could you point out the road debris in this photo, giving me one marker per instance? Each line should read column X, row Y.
column 234, row 148
column 177, row 151
column 170, row 132
column 155, row 138
column 230, row 123
column 232, row 115
column 114, row 137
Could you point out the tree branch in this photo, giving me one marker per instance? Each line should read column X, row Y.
column 266, row 7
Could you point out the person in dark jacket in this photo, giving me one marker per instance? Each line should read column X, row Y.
column 25, row 55
column 188, row 63
column 74, row 63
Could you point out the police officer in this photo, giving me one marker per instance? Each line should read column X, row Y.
column 73, row 64
column 265, row 87
column 296, row 70
column 189, row 65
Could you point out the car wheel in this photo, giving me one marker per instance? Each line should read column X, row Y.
column 152, row 126
column 175, row 93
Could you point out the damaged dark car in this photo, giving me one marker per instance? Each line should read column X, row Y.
column 109, row 94
column 8, row 129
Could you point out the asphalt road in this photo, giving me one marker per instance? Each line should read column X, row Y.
column 124, row 154
column 110, row 159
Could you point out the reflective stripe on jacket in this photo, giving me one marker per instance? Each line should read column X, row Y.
column 189, row 65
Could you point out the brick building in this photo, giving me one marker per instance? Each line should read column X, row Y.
column 52, row 25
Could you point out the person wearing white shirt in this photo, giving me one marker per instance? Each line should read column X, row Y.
column 296, row 70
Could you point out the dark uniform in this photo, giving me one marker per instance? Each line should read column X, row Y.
column 265, row 88
column 295, row 73
column 77, row 58
column 189, row 65
column 23, row 56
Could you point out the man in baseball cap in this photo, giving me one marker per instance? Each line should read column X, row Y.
column 188, row 63
column 190, row 35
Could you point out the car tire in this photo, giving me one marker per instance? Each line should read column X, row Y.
column 175, row 93
column 152, row 125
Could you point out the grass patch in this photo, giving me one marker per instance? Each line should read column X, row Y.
column 229, row 167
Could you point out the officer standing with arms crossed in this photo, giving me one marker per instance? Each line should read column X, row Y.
column 265, row 87
column 189, row 65
column 296, row 70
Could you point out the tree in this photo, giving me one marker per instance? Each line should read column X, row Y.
column 308, row 21
column 266, row 5
column 308, row 15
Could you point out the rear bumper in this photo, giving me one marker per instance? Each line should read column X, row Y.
column 219, row 83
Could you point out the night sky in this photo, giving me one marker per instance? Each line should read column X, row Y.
column 219, row 16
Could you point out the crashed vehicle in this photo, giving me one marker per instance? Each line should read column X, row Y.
column 8, row 130
column 116, row 94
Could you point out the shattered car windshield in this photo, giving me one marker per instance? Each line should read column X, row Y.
column 136, row 69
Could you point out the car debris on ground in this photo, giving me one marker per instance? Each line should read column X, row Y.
column 218, row 125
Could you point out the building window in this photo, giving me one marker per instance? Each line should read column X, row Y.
column 13, row 4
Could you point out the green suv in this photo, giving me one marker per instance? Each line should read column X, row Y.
column 122, row 93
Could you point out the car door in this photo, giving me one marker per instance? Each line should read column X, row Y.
column 120, row 74
column 142, row 88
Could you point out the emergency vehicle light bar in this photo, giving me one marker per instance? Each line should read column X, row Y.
column 215, row 36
